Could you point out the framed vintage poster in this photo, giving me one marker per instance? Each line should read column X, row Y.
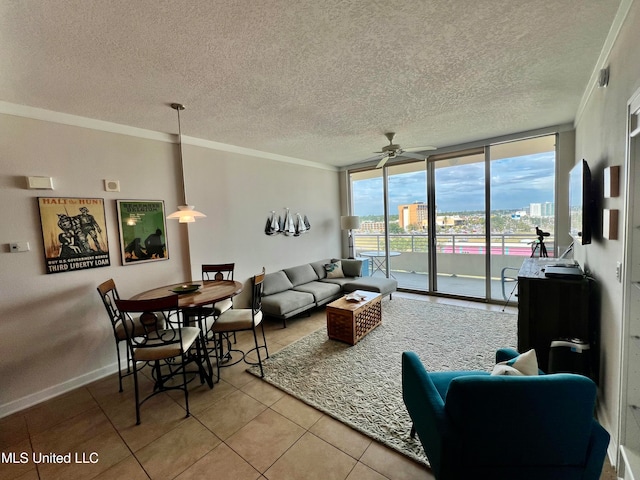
column 142, row 231
column 74, row 233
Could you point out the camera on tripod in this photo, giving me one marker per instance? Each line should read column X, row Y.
column 539, row 244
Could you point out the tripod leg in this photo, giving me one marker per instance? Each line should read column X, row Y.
column 508, row 299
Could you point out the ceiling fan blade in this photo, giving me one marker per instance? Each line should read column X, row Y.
column 382, row 161
column 420, row 149
column 375, row 157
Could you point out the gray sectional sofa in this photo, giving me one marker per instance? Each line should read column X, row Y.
column 291, row 291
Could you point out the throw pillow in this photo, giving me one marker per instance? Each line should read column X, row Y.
column 276, row 282
column 524, row 364
column 352, row 268
column 334, row 270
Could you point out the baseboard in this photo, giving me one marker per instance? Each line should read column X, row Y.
column 612, row 455
column 612, row 452
column 612, row 448
column 56, row 390
column 631, row 460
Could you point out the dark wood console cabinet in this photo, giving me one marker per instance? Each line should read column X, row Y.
column 553, row 308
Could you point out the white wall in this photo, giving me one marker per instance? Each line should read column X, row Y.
column 240, row 192
column 600, row 139
column 54, row 332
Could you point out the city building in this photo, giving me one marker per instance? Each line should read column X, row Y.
column 416, row 214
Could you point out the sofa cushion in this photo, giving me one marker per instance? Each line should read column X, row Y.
column 334, row 269
column 352, row 267
column 301, row 274
column 275, row 282
column 319, row 268
column 282, row 303
column 338, row 281
column 320, row 290
column 384, row 286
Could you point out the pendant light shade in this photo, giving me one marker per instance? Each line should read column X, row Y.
column 186, row 213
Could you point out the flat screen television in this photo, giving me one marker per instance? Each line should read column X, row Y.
column 580, row 203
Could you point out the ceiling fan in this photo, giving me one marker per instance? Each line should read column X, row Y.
column 394, row 150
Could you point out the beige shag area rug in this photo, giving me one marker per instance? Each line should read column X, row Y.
column 361, row 385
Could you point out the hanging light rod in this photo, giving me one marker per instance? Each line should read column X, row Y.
column 186, row 213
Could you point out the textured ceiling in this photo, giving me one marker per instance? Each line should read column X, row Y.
column 315, row 80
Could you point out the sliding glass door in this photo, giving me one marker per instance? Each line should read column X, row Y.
column 522, row 199
column 459, row 223
column 368, row 202
column 393, row 236
column 409, row 225
column 458, row 258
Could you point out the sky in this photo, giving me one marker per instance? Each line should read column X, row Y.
column 515, row 183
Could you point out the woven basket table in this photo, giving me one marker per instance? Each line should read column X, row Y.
column 350, row 321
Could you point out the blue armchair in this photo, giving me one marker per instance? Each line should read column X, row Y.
column 475, row 425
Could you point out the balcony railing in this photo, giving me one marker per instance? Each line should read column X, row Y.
column 459, row 255
column 461, row 243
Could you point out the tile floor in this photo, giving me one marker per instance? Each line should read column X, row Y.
column 242, row 429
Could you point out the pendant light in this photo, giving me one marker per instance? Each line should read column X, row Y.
column 186, row 212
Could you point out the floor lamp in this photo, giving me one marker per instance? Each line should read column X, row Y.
column 350, row 222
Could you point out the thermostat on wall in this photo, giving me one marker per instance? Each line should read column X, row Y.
column 40, row 183
column 112, row 185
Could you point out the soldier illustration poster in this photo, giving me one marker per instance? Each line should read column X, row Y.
column 142, row 231
column 74, row 233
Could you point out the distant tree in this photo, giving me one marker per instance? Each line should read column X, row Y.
column 395, row 228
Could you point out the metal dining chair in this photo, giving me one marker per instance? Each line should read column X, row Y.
column 213, row 272
column 206, row 316
column 242, row 319
column 220, row 271
column 167, row 348
column 109, row 294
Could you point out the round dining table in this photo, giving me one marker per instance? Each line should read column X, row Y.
column 208, row 293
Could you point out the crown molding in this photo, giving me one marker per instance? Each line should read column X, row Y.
column 199, row 142
column 93, row 124
column 83, row 122
column 612, row 36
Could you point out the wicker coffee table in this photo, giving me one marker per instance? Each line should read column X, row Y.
column 350, row 321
